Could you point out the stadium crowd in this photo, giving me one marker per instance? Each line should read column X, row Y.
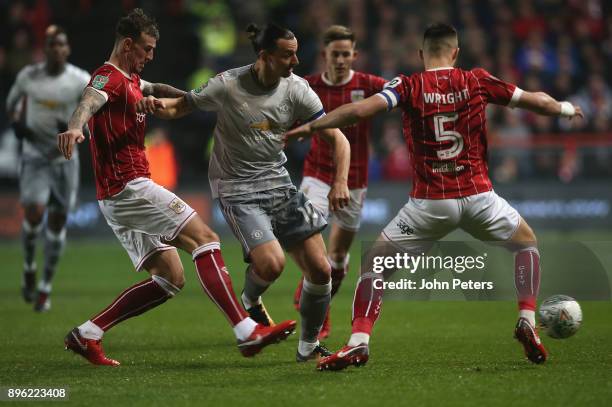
column 561, row 46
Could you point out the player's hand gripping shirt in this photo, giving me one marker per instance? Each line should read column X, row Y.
column 117, row 131
column 50, row 101
column 319, row 161
column 248, row 152
column 445, row 127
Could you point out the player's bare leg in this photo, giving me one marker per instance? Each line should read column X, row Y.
column 339, row 244
column 267, row 264
column 199, row 240
column 310, row 256
column 165, row 282
column 367, row 304
column 55, row 241
column 31, row 228
column 527, row 281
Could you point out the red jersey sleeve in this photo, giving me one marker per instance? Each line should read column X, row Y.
column 395, row 92
column 108, row 82
column 497, row 91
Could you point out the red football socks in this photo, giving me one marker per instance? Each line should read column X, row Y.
column 216, row 281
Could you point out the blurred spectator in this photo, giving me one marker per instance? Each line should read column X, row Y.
column 515, row 158
column 162, row 160
column 396, row 166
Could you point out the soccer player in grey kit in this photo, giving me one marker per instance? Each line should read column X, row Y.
column 255, row 105
column 40, row 104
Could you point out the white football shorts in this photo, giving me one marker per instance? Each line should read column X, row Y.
column 144, row 216
column 349, row 217
column 421, row 222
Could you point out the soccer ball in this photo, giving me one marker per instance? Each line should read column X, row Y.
column 560, row 316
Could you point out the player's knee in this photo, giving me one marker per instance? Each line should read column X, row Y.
column 523, row 238
column 206, row 235
column 320, row 271
column 269, row 266
column 56, row 221
column 34, row 215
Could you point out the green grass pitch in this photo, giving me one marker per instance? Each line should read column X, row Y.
column 184, row 353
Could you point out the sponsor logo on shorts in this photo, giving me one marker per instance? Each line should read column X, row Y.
column 405, row 228
column 224, row 269
column 177, row 205
column 256, row 234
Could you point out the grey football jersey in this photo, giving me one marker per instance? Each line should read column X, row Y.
column 248, row 151
column 49, row 100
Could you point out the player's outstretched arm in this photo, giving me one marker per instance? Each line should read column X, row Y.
column 90, row 103
column 338, row 196
column 343, row 116
column 160, row 90
column 544, row 104
column 165, row 108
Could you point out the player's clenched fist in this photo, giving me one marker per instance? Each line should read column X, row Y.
column 338, row 196
column 66, row 140
column 149, row 105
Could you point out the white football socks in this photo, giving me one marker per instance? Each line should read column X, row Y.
column 89, row 330
column 358, row 338
column 244, row 328
column 306, row 348
column 528, row 315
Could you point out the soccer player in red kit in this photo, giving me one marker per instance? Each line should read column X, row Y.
column 445, row 129
column 150, row 221
column 336, row 86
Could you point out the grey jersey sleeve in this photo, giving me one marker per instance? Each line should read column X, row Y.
column 308, row 106
column 17, row 91
column 209, row 96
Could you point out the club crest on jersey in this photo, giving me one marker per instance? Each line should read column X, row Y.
column 99, row 81
column 357, row 95
column 177, row 205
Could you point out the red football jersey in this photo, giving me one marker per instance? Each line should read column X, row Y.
column 319, row 161
column 445, row 127
column 117, row 131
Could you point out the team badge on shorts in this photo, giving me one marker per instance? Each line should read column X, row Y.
column 177, row 205
column 257, row 234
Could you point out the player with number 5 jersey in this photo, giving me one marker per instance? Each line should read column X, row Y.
column 444, row 125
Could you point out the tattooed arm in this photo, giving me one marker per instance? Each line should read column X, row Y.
column 90, row 103
column 160, row 90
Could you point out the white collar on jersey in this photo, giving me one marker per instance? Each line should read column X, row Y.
column 344, row 82
column 119, row 69
column 440, row 68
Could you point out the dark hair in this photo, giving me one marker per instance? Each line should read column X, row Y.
column 337, row 33
column 438, row 36
column 136, row 23
column 265, row 38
